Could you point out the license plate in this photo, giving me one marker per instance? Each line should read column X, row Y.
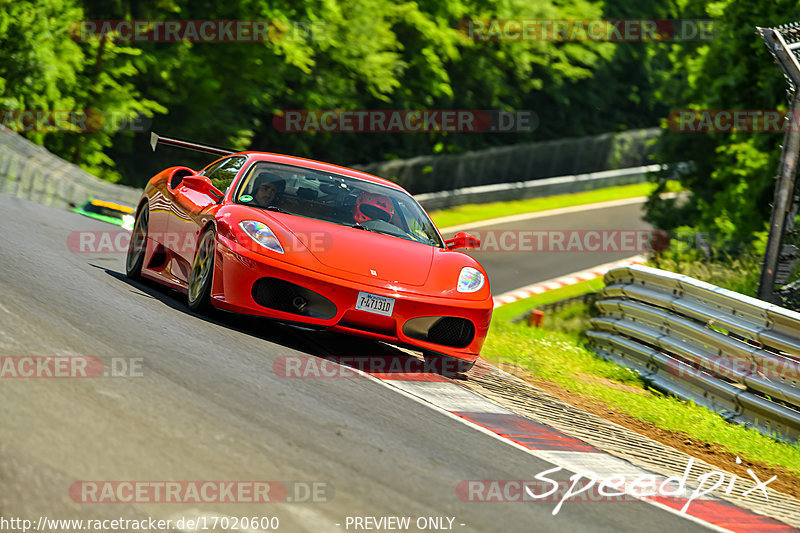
column 372, row 303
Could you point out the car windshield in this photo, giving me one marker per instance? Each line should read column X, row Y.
column 334, row 198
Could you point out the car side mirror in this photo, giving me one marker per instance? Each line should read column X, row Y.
column 464, row 240
column 203, row 184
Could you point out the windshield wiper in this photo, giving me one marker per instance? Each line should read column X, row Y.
column 275, row 208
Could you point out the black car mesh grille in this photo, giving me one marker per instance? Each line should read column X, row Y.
column 284, row 296
column 452, row 331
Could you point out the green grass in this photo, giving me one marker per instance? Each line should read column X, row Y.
column 573, row 320
column 561, row 358
column 556, row 352
column 474, row 212
column 514, row 309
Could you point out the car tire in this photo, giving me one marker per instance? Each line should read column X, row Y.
column 134, row 261
column 446, row 365
column 202, row 274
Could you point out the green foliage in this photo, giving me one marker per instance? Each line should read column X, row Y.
column 739, row 274
column 711, row 263
column 732, row 174
column 395, row 54
column 43, row 69
column 39, row 65
column 560, row 358
column 350, row 54
column 572, row 320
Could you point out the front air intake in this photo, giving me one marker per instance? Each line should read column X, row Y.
column 445, row 330
column 282, row 295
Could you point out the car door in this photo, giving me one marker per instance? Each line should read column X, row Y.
column 189, row 213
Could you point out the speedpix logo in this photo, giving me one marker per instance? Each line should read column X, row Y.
column 588, row 486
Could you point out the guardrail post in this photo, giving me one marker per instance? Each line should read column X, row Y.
column 5, row 169
column 48, row 190
column 783, row 42
column 24, row 172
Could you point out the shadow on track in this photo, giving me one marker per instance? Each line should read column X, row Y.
column 373, row 357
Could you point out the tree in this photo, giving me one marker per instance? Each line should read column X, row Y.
column 731, row 175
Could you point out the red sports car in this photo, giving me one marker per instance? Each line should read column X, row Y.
column 307, row 242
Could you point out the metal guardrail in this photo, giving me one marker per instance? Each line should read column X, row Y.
column 519, row 162
column 30, row 171
column 521, row 190
column 736, row 355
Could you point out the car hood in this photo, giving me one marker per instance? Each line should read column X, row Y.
column 353, row 251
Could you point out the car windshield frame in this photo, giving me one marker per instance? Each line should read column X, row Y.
column 331, row 197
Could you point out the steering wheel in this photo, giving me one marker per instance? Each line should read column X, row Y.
column 382, row 226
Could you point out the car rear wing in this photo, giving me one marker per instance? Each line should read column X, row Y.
column 155, row 139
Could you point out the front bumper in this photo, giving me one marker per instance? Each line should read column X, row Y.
column 238, row 269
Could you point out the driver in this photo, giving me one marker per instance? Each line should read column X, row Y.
column 371, row 206
column 268, row 189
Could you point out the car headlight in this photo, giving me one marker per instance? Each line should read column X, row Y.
column 260, row 232
column 470, row 280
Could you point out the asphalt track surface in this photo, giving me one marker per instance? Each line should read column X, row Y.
column 209, row 407
column 511, row 267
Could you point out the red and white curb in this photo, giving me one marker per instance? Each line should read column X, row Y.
column 564, row 281
column 569, row 453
